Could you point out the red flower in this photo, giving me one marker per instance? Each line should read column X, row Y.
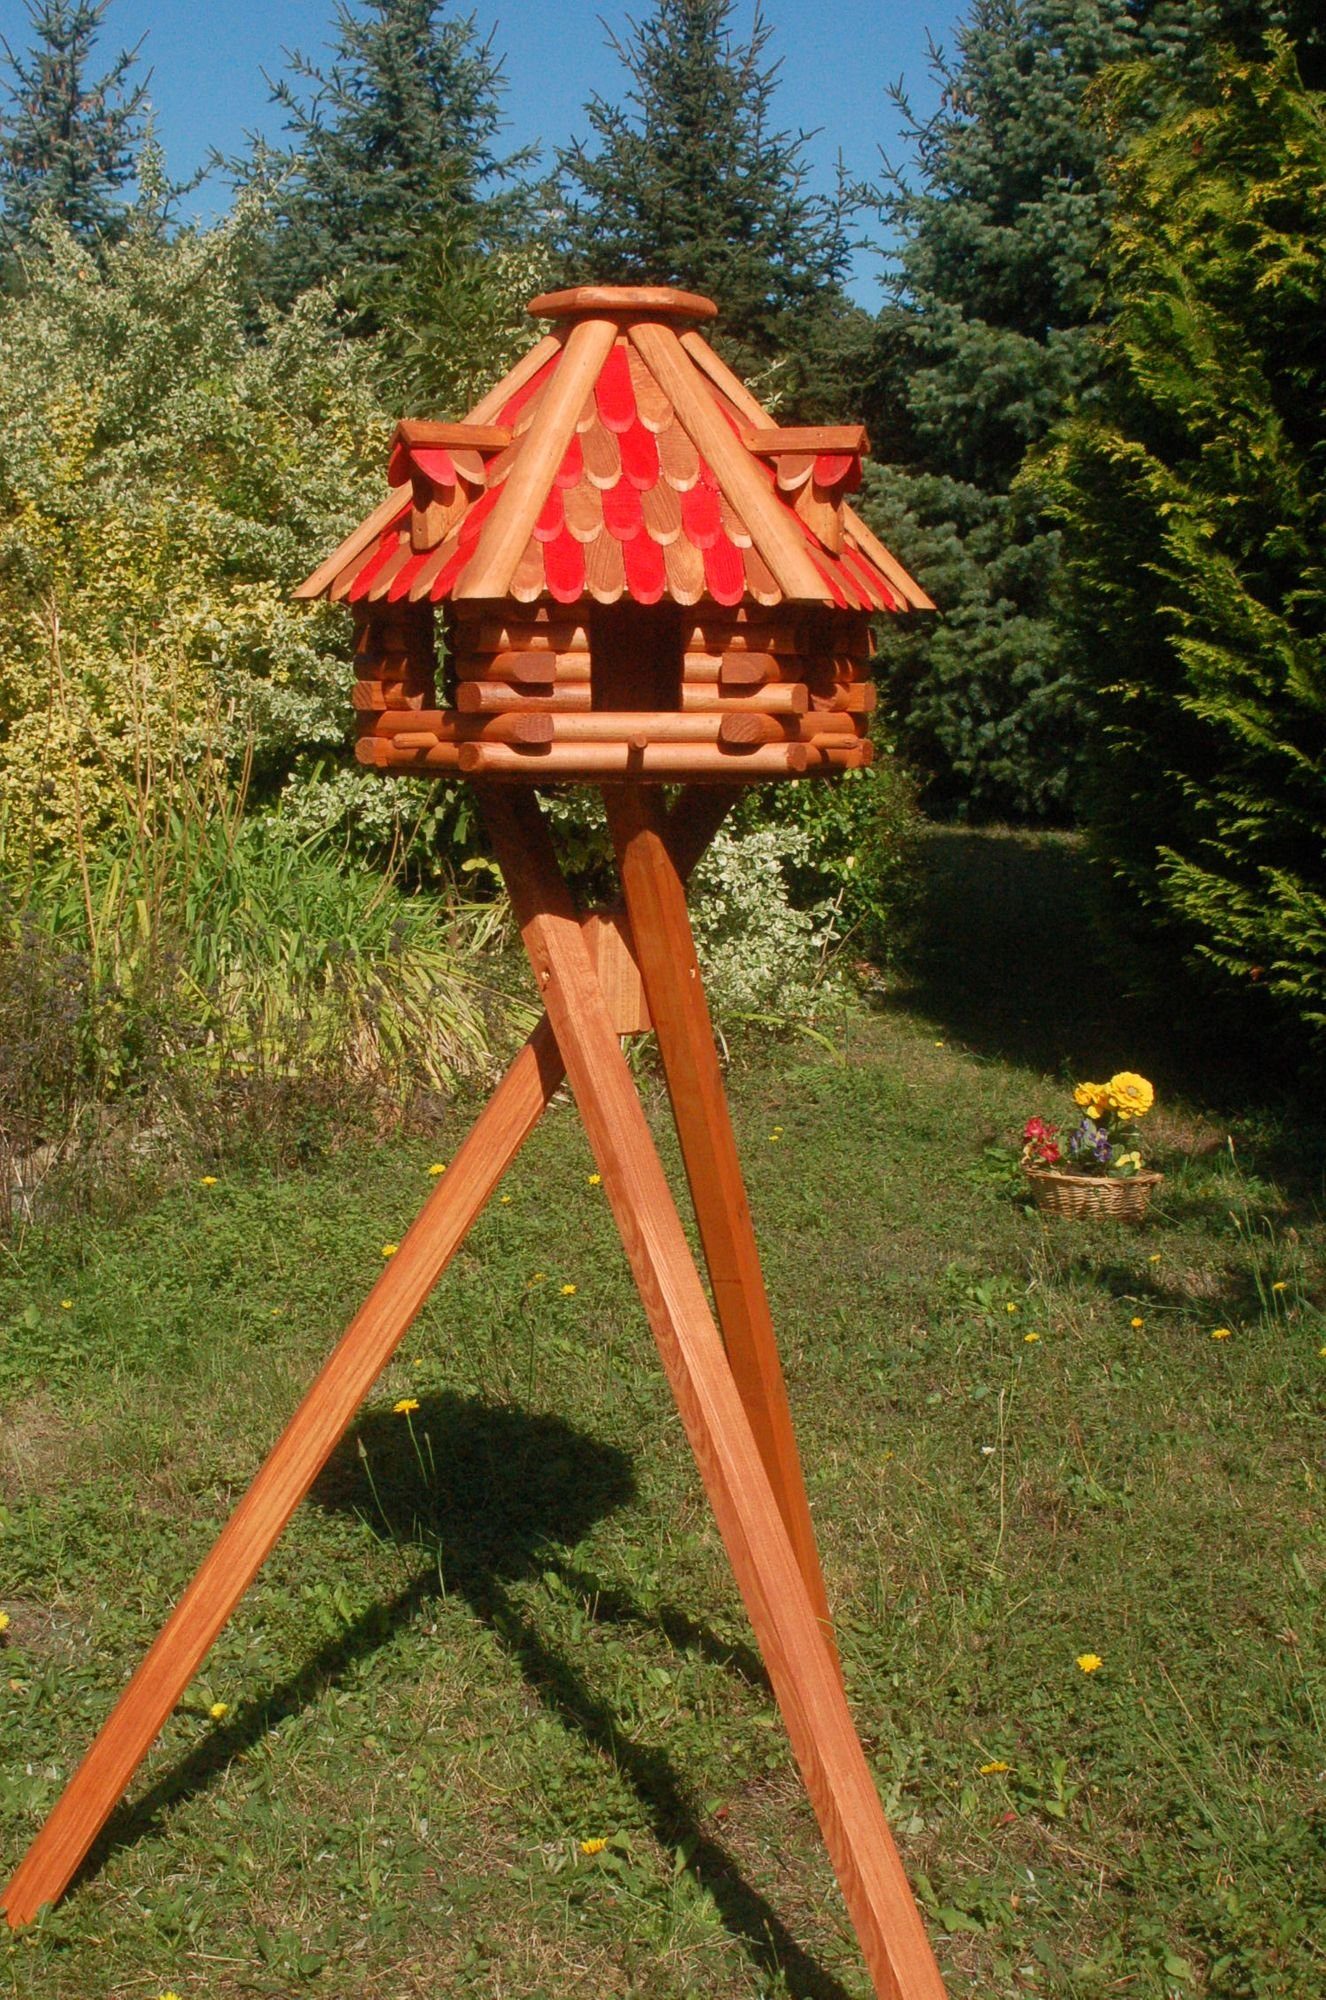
column 1036, row 1128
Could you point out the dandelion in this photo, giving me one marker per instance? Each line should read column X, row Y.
column 939, row 1045
column 592, row 1846
column 1154, row 1258
column 208, row 1180
column 4, row 1621
column 390, row 1249
column 593, row 1180
column 993, row 1769
column 506, row 1201
column 1135, row 1322
column 1280, row 1285
column 219, row 1711
column 1029, row 1337
column 1010, row 1307
column 66, row 1305
column 172, row 1995
column 775, row 1136
column 1220, row 1333
column 405, row 1406
column 1090, row 1663
column 568, row 1291
column 438, row 1167
column 536, row 1277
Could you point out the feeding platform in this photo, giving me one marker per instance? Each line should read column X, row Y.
column 637, row 581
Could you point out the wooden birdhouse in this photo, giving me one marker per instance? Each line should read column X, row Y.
column 640, row 580
column 636, row 574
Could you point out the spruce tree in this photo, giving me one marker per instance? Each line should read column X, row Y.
column 689, row 181
column 1191, row 497
column 988, row 337
column 67, row 143
column 391, row 141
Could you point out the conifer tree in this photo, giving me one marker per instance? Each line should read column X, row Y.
column 393, row 139
column 689, row 181
column 1192, row 499
column 67, row 143
column 989, row 337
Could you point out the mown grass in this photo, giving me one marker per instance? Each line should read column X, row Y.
column 503, row 1626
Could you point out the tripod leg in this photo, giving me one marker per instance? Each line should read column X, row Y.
column 293, row 1464
column 805, row 1681
column 656, row 905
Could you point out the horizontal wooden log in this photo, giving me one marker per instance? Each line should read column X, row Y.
column 660, row 762
column 829, row 723
column 380, row 754
column 495, row 635
column 500, row 697
column 528, row 668
column 780, row 698
column 850, row 698
column 376, row 696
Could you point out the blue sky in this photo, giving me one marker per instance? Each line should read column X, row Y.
column 837, row 63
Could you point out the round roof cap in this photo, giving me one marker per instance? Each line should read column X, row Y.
column 622, row 301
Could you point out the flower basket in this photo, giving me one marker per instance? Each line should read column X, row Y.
column 1097, row 1195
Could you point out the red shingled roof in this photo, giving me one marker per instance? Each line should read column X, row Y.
column 616, row 459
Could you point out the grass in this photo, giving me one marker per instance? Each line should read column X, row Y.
column 503, row 1626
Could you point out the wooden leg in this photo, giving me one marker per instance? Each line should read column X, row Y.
column 805, row 1681
column 665, row 951
column 299, row 1455
column 292, row 1466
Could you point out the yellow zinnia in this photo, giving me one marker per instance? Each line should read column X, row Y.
column 1093, row 1097
column 1129, row 1094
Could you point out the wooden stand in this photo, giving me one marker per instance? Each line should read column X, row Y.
column 724, row 1372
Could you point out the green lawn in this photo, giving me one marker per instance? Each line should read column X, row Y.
column 503, row 1626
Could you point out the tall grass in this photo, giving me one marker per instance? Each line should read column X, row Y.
column 191, row 947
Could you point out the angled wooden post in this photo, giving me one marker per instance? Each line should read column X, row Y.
column 656, row 904
column 787, row 1624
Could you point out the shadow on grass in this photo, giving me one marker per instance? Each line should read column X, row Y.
column 496, row 1493
column 1014, row 960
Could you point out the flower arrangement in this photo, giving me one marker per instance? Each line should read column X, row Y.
column 1104, row 1141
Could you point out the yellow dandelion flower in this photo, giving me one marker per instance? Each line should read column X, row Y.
column 568, row 1291
column 1154, row 1258
column 438, row 1167
column 506, row 1201
column 1029, row 1337
column 993, row 1769
column 774, row 1137
column 390, row 1249
column 66, row 1305
column 1280, row 1285
column 592, row 1846
column 219, row 1711
column 537, row 1277
column 1090, row 1663
column 4, row 1621
column 404, row 1406
column 208, row 1180
column 593, row 1180
column 1010, row 1307
column 1220, row 1333
column 1134, row 1321
column 172, row 1995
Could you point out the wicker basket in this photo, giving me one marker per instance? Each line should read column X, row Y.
column 1076, row 1195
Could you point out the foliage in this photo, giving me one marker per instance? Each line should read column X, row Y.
column 988, row 337
column 163, row 480
column 1104, row 1140
column 67, row 143
column 760, row 954
column 391, row 148
column 855, row 848
column 1193, row 511
column 688, row 181
column 197, row 950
